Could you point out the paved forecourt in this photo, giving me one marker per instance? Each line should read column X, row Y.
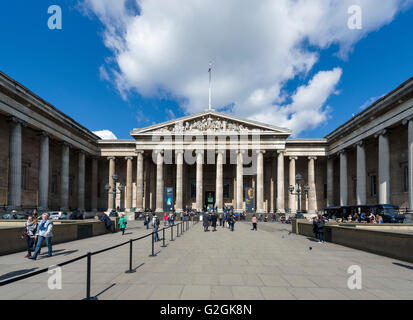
column 268, row 264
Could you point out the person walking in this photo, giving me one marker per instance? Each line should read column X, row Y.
column 155, row 223
column 221, row 219
column 165, row 218
column 122, row 223
column 147, row 220
column 44, row 232
column 315, row 226
column 205, row 222
column 29, row 233
column 214, row 218
column 320, row 229
column 254, row 221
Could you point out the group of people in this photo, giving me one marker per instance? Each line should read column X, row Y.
column 36, row 233
column 226, row 219
column 318, row 228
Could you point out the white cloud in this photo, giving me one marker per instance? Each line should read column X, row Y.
column 105, row 135
column 370, row 101
column 256, row 47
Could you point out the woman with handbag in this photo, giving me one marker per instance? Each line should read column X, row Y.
column 29, row 233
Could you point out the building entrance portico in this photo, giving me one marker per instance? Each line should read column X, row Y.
column 210, row 200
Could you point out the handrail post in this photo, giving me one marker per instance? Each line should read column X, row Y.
column 153, row 245
column 163, row 238
column 172, row 233
column 182, row 228
column 88, row 275
column 177, row 230
column 130, row 258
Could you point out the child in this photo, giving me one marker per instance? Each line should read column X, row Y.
column 122, row 223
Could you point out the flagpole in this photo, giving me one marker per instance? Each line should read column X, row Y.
column 210, row 71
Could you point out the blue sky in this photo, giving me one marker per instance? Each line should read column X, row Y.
column 64, row 67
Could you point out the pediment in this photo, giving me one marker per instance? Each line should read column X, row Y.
column 210, row 122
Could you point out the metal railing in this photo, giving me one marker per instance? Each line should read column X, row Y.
column 181, row 227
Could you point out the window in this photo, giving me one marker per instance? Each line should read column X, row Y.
column 373, row 186
column 325, row 190
column 54, row 184
column 24, row 178
column 226, row 191
column 193, row 190
column 71, row 186
column 98, row 190
column 406, row 179
column 355, row 188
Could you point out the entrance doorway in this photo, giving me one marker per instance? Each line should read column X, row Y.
column 209, row 199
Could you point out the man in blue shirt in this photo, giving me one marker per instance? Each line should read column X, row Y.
column 44, row 231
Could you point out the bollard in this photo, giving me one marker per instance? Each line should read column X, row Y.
column 163, row 238
column 182, row 232
column 177, row 230
column 130, row 258
column 172, row 233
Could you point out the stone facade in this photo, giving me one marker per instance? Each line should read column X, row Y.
column 367, row 160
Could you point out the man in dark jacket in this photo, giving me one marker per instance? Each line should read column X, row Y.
column 320, row 228
column 214, row 218
column 205, row 222
column 315, row 227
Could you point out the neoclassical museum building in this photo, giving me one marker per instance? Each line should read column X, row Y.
column 51, row 162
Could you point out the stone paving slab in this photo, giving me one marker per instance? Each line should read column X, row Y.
column 270, row 264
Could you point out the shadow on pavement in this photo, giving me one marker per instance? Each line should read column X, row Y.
column 59, row 253
column 16, row 273
column 403, row 265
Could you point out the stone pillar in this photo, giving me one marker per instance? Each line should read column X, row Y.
column 81, row 181
column 330, row 182
column 384, row 167
column 343, row 178
column 220, row 181
column 179, row 158
column 159, row 181
column 15, row 164
column 139, row 182
column 280, row 182
column 64, row 177
column 312, row 192
column 152, row 186
column 260, row 181
column 272, row 183
column 94, row 186
column 43, row 203
column 361, row 174
column 111, row 173
column 199, row 179
column 240, row 182
column 409, row 122
column 292, row 199
column 128, row 187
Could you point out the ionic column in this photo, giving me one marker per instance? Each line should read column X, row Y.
column 272, row 183
column 240, row 182
column 312, row 195
column 159, row 181
column 330, row 182
column 179, row 156
column 152, row 186
column 15, row 166
column 64, row 177
column 361, row 173
column 128, row 189
column 260, row 181
column 139, row 182
column 280, row 182
column 199, row 178
column 111, row 173
column 409, row 122
column 43, row 203
column 81, row 181
column 219, row 181
column 343, row 178
column 292, row 199
column 384, row 167
column 94, row 186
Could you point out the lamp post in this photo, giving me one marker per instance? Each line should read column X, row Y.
column 114, row 193
column 298, row 193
